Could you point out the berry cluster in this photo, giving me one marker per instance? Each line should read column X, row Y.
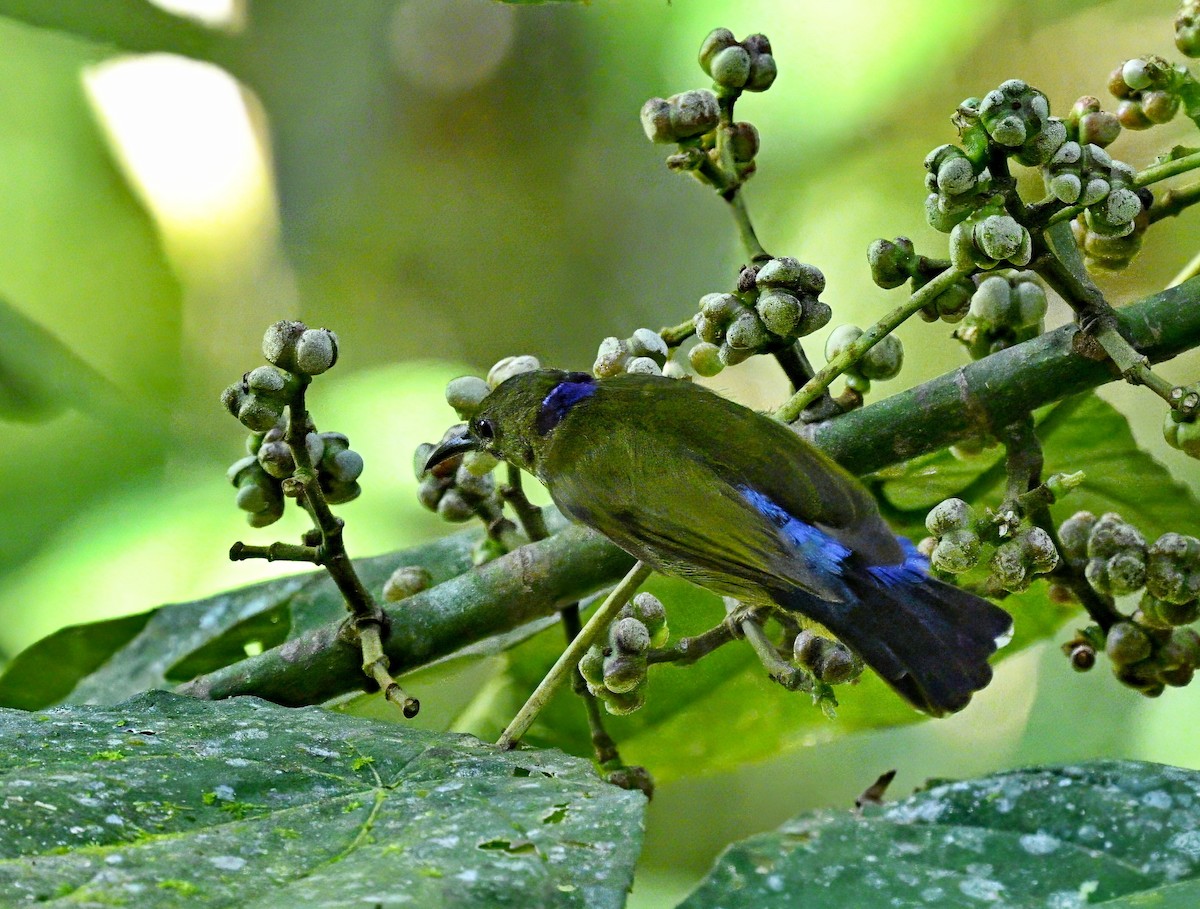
column 881, row 362
column 774, row 304
column 1148, row 90
column 1151, row 649
column 616, row 672
column 296, row 353
column 1187, row 28
column 712, row 146
column 1022, row 550
column 1006, row 308
column 643, row 353
column 893, row 262
column 1181, row 429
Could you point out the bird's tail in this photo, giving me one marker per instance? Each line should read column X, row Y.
column 928, row 640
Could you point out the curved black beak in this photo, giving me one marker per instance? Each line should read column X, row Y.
column 455, row 445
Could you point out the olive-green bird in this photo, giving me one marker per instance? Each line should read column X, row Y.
column 704, row 489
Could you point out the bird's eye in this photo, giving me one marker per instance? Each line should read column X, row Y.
column 486, row 430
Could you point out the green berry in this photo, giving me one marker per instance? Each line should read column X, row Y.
column 1173, row 568
column 693, row 113
column 807, row 647
column 780, row 312
column 465, row 394
column 816, row 316
column 505, row 369
column 656, row 121
column 624, row 671
column 1187, row 28
column 892, row 261
column 1074, row 532
column 642, row 366
column 478, row 463
column 1010, row 569
column 453, row 507
column 258, row 414
column 591, row 667
column 648, row 609
column 343, row 466
column 883, row 361
column 629, row 635
column 316, row 351
column 406, row 581
column 957, row 551
column 991, row 304
column 1126, row 644
column 279, row 343
column 706, row 359
column 763, row 71
column 1039, row 550
column 838, row 665
column 611, row 358
column 338, row 493
column 625, row 703
column 276, row 459
column 948, row 515
column 1111, row 535
column 746, row 332
column 717, row 40
column 730, row 67
column 1126, row 573
column 856, row 381
column 646, row 343
column 841, row 338
column 744, row 142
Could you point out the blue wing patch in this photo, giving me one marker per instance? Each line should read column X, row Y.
column 576, row 387
column 913, row 570
column 818, row 549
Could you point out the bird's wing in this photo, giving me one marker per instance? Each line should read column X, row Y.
column 706, row 488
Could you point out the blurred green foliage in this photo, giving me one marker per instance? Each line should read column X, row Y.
column 459, row 181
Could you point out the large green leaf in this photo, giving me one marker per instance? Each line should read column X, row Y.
column 1056, row 837
column 168, row 801
column 105, row 662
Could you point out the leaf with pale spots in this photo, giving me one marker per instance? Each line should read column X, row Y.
column 1115, row 833
column 167, row 801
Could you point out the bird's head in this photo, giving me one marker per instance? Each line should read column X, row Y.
column 514, row 422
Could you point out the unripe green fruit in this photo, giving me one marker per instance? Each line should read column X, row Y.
column 339, row 493
column 276, row 459
column 656, row 121
column 316, row 351
column 1126, row 644
column 856, row 381
column 706, row 359
column 511, row 366
column 253, row 498
column 429, row 492
column 838, row 665
column 1039, row 550
column 465, row 394
column 642, row 366
column 788, row 273
column 1136, row 74
column 957, row 551
column 949, row 514
column 625, row 703
column 591, row 667
column 623, row 672
column 406, row 581
column 265, row 518
column 472, row 487
column 780, row 312
column 763, row 70
column 1001, row 237
column 717, row 40
column 731, row 356
column 611, row 358
column 807, row 647
column 816, row 316
column 720, row 309
column 279, row 343
column 1009, row 568
column 453, row 507
column 892, row 261
column 1182, row 434
column 646, row 343
column 648, row 609
column 232, row 397
column 258, row 414
column 841, row 338
column 1173, row 568
column 744, row 142
column 1074, row 532
column 420, row 457
column 1030, row 302
column 1126, row 573
column 746, row 332
column 629, row 635
column 344, row 466
column 991, row 304
column 730, row 67
column 883, row 361
column 269, row 382
column 693, row 113
column 1144, row 677
column 1111, row 535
